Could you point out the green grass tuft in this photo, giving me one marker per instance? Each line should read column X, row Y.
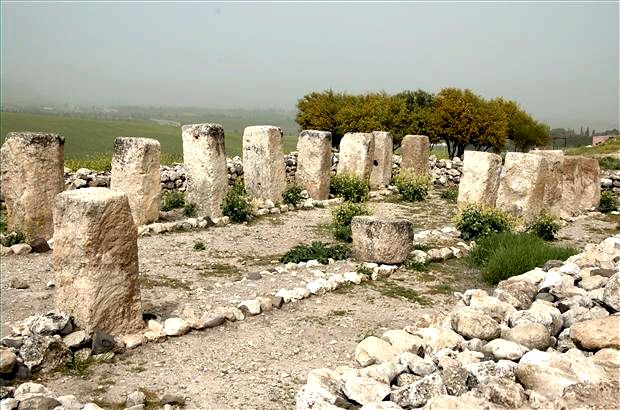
column 316, row 250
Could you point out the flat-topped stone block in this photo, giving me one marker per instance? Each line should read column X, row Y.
column 381, row 240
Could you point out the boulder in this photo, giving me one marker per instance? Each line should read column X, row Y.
column 403, row 341
column 381, row 240
column 314, row 162
column 472, row 323
column 175, row 326
column 417, row 365
column 7, row 361
column 518, row 293
column 44, row 354
column 503, row 392
column 540, row 312
column 504, row 349
column 419, row 392
column 597, row 334
column 364, row 390
column 611, row 295
column 453, row 375
column 374, row 350
column 531, row 335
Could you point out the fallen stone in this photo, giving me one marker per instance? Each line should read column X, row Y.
column 40, row 245
column 611, row 295
column 38, row 403
column 365, row 390
column 102, row 342
column 175, row 326
column 7, row 361
column 531, row 335
column 76, row 339
column 503, row 392
column 418, row 393
column 597, row 334
column 21, row 249
column 250, row 307
column 403, row 341
column 44, row 354
column 381, row 240
column 472, row 323
column 505, row 349
column 374, row 350
column 417, row 365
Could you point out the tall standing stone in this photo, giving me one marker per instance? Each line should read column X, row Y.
column 204, row 157
column 264, row 170
column 314, row 161
column 522, row 185
column 480, row 178
column 135, row 171
column 96, row 260
column 552, row 197
column 356, row 153
column 415, row 151
column 381, row 173
column 32, row 167
column 581, row 188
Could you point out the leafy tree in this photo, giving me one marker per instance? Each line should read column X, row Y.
column 318, row 110
column 523, row 130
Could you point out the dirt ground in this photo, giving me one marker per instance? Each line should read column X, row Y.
column 261, row 362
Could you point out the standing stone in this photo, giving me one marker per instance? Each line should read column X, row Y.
column 356, row 154
column 264, row 170
column 522, row 185
column 32, row 166
column 381, row 173
column 205, row 166
column 480, row 178
column 314, row 161
column 552, row 197
column 381, row 240
column 96, row 260
column 135, row 171
column 415, row 152
column 581, row 188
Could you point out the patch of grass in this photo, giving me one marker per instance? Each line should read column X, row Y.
column 610, row 163
column 219, row 270
column 150, row 282
column 502, row 255
column 421, row 247
column 366, row 334
column 612, row 145
column 412, row 187
column 338, row 313
column 172, row 200
column 364, row 270
column 417, row 266
column 442, row 289
column 77, row 366
column 350, row 187
column 199, row 246
column 292, row 194
column 475, row 221
column 316, row 250
column 190, row 211
column 317, row 320
column 342, row 216
column 137, row 369
column 608, row 202
column 394, row 290
column 450, row 194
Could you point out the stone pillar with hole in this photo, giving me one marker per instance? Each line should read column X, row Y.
column 204, row 157
column 381, row 173
column 135, row 171
column 314, row 161
column 96, row 260
column 480, row 179
column 415, row 151
column 264, row 170
column 32, row 167
column 356, row 154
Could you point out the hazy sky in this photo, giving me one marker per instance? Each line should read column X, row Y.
column 559, row 60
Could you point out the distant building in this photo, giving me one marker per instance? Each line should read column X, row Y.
column 599, row 139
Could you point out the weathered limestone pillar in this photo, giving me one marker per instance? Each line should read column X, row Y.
column 264, row 170
column 480, row 178
column 204, row 157
column 415, row 151
column 135, row 171
column 32, row 167
column 356, row 154
column 581, row 188
column 522, row 185
column 96, row 260
column 552, row 198
column 314, row 161
column 381, row 240
column 381, row 173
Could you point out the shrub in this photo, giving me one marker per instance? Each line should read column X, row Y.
column 608, row 202
column 349, row 187
column 236, row 204
column 3, row 222
column 475, row 221
column 199, row 246
column 13, row 238
column 412, row 187
column 611, row 163
column 316, row 250
column 172, row 200
column 190, row 210
column 292, row 194
column 506, row 254
column 364, row 270
column 342, row 216
column 450, row 194
column 545, row 226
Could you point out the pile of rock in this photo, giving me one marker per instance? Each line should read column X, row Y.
column 84, row 178
column 610, row 180
column 548, row 338
column 173, row 177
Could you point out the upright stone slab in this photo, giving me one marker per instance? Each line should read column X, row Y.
column 415, row 151
column 356, row 153
column 96, row 260
column 204, row 157
column 480, row 178
column 32, row 166
column 135, row 171
column 381, row 240
column 581, row 188
column 314, row 161
column 381, row 173
column 552, row 197
column 522, row 185
column 264, row 170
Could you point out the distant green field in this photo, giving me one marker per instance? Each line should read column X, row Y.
column 88, row 137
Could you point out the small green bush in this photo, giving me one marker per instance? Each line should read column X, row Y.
column 3, row 222
column 545, row 226
column 349, row 187
column 236, row 204
column 292, row 194
column 475, row 221
column 342, row 216
column 611, row 163
column 412, row 187
column 13, row 238
column 506, row 254
column 199, row 246
column 608, row 202
column 364, row 270
column 190, row 210
column 316, row 250
column 172, row 200
column 450, row 194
